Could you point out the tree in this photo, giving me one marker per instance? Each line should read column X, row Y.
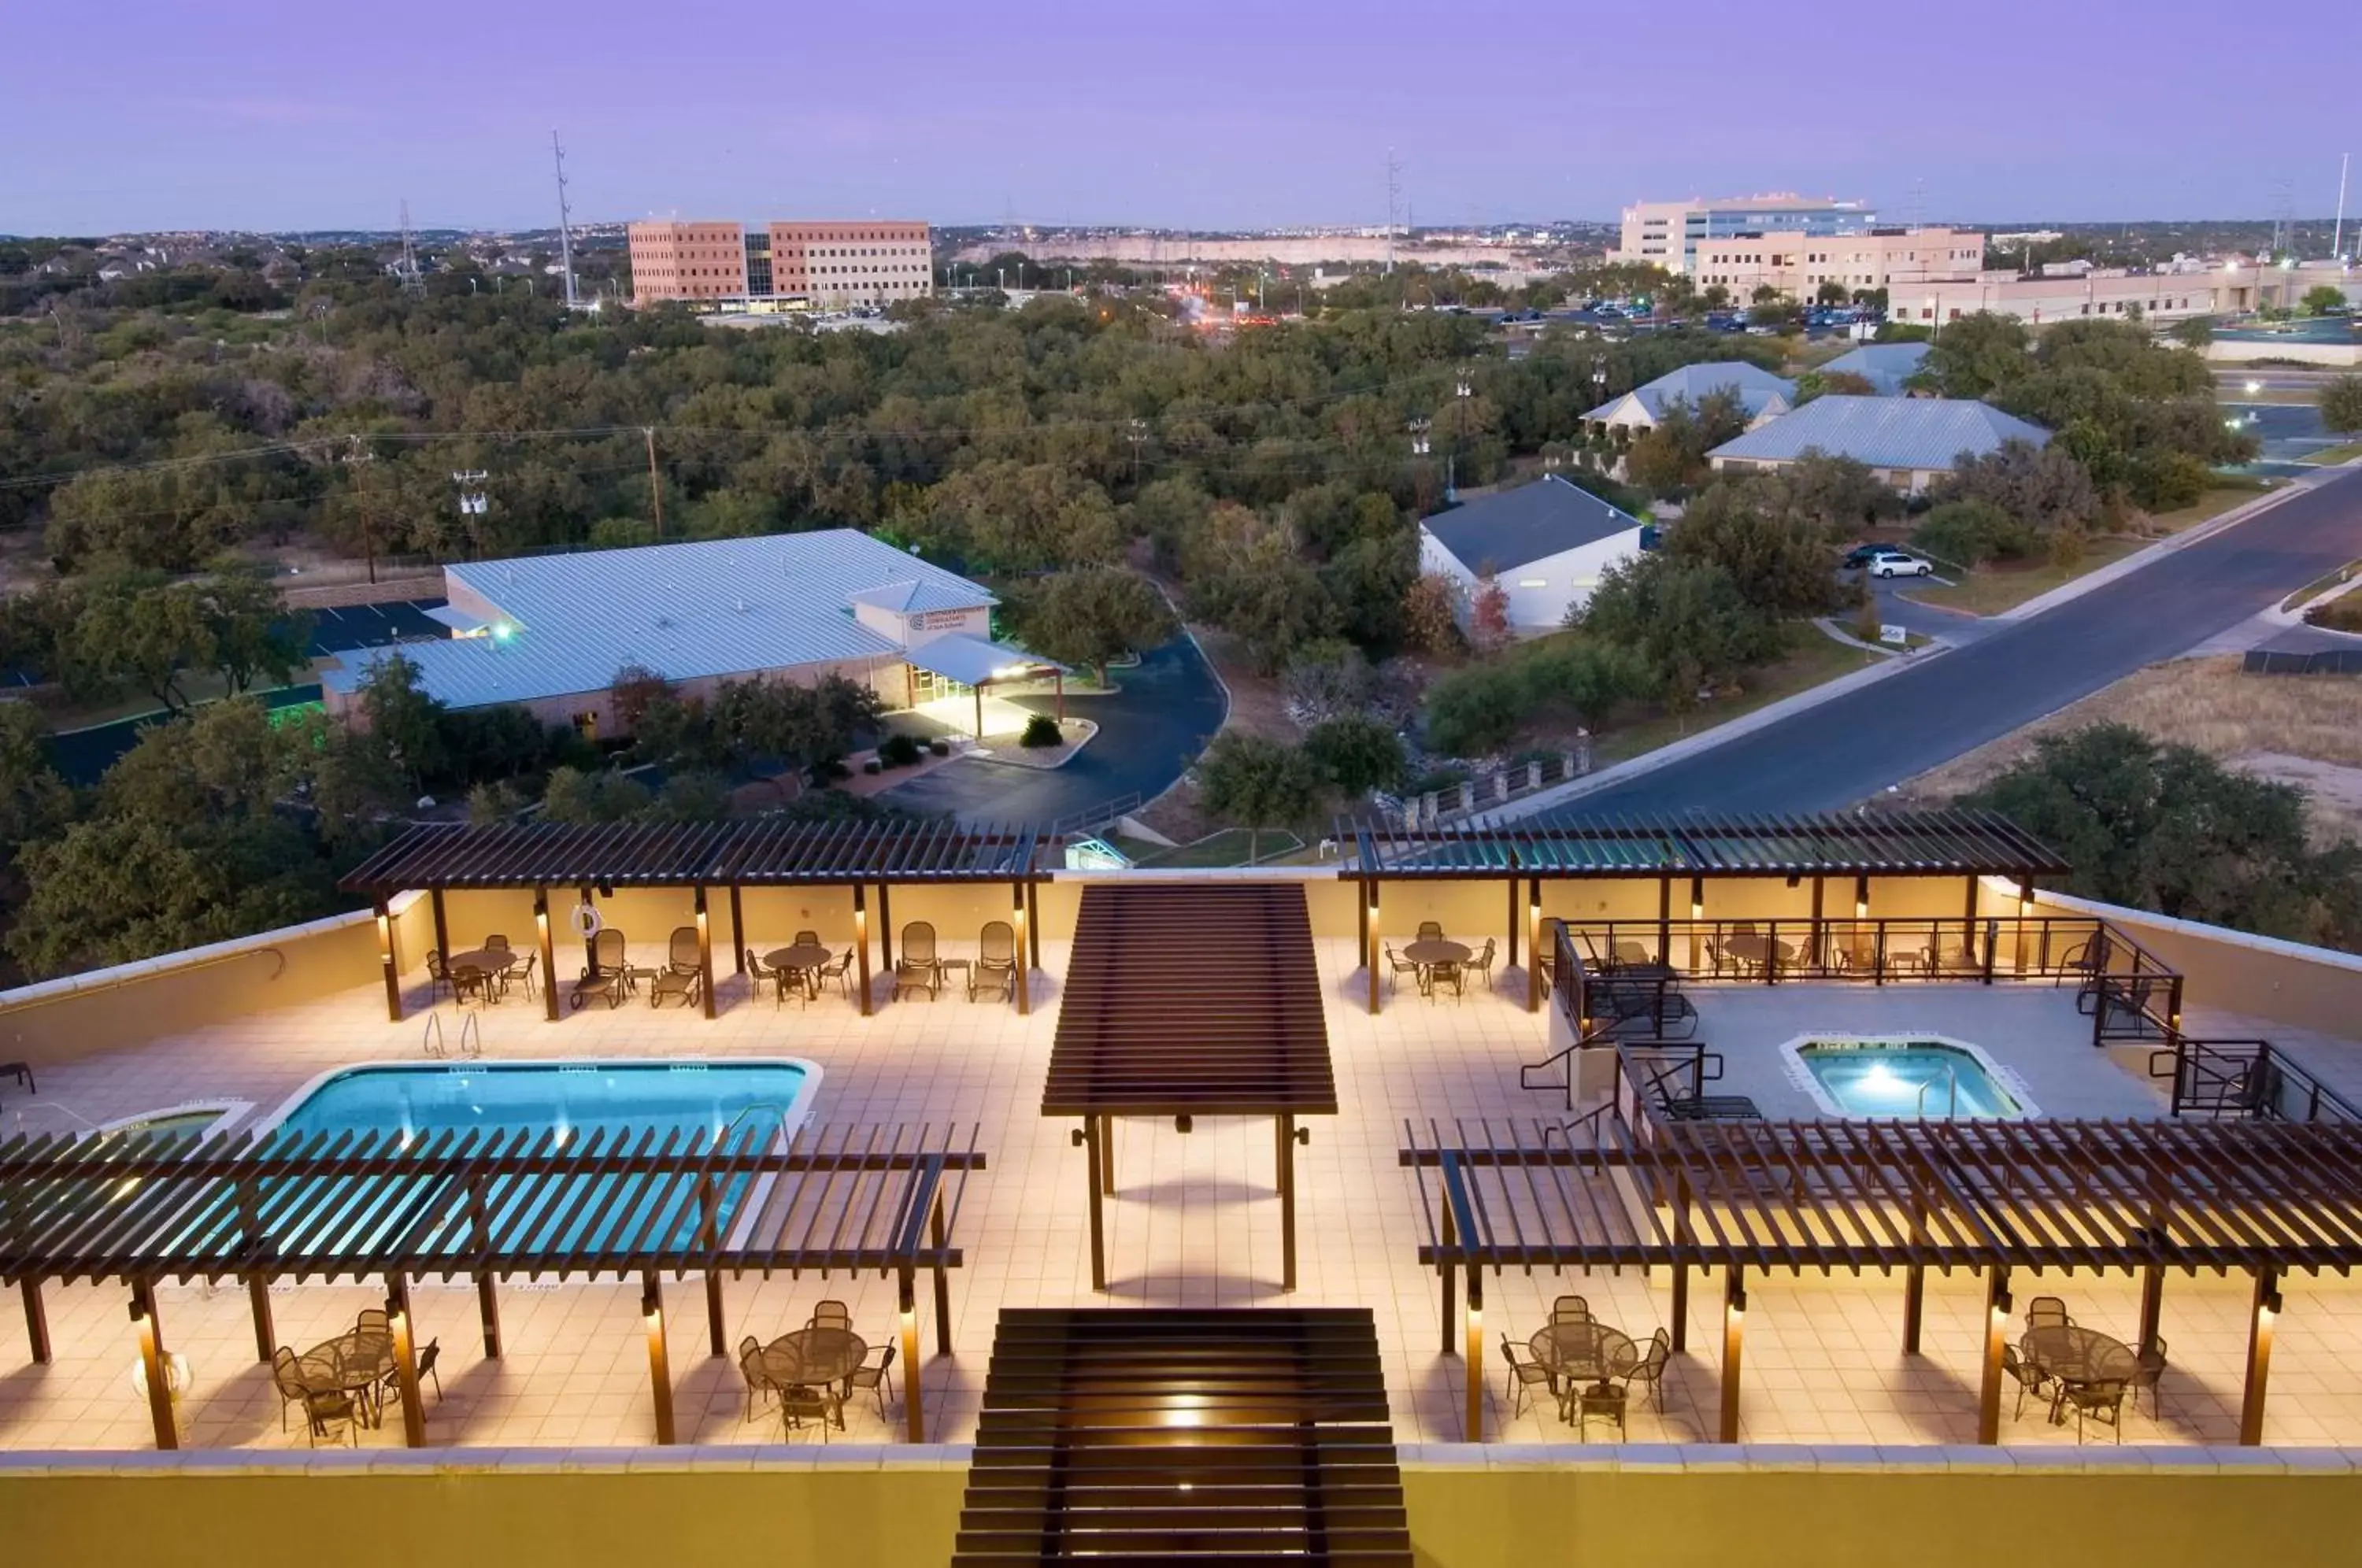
column 1684, row 622
column 2341, row 404
column 1830, row 293
column 1977, row 355
column 1778, row 556
column 2043, row 488
column 1326, row 679
column 404, row 718
column 251, row 633
column 1257, row 783
column 1479, row 709
column 1488, row 615
column 574, row 796
column 2322, row 299
column 1357, row 754
column 1092, row 615
column 634, row 690
column 1671, row 455
column 1430, row 614
column 1590, row 678
column 2167, row 828
column 34, row 801
column 136, row 632
column 2193, row 332
column 1965, row 533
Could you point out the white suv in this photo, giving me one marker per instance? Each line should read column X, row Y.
column 1894, row 563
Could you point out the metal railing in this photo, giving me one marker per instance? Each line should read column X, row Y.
column 2245, row 1080
column 1653, row 1078
column 1094, row 817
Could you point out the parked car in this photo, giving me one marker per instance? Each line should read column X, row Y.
column 1861, row 556
column 1894, row 563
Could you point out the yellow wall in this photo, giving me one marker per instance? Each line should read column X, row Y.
column 1823, row 1508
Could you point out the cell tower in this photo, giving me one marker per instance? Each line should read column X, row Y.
column 565, row 223
column 1394, row 203
column 412, row 281
column 2337, row 234
column 2283, row 219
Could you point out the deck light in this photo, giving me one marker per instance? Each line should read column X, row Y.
column 2269, row 1304
column 2002, row 1303
column 1737, row 1300
column 1185, row 1122
column 652, row 1307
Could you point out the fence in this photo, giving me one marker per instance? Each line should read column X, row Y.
column 1094, row 817
column 1486, row 790
column 2245, row 1080
column 2322, row 661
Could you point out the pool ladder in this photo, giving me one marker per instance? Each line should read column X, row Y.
column 1952, row 1085
column 778, row 1113
column 471, row 1039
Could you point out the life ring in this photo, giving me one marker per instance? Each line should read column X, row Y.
column 586, row 924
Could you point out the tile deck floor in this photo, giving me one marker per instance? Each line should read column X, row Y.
column 1195, row 1221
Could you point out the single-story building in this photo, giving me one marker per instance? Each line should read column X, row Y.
column 1910, row 442
column 1887, row 367
column 1546, row 545
column 1761, row 395
column 548, row 633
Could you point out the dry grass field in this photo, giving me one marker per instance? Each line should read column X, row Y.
column 2305, row 730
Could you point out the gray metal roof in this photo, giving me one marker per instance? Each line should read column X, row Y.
column 1885, row 366
column 1756, row 389
column 710, row 608
column 1884, row 432
column 1528, row 524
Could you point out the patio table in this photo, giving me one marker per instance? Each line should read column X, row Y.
column 2078, row 1355
column 1585, row 1349
column 1430, row 950
column 1754, row 949
column 805, row 958
column 353, row 1363
column 815, row 1358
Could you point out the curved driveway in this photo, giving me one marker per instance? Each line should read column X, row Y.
column 1150, row 732
column 1843, row 750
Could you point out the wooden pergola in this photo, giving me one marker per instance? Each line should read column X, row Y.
column 1188, row 1001
column 483, row 1205
column 2262, row 1197
column 1166, row 1436
column 1689, row 847
column 701, row 856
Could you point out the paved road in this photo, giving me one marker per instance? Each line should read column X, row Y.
column 1847, row 749
column 1150, row 732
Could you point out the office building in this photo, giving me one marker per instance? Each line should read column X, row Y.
column 1667, row 233
column 828, row 265
column 1910, row 443
column 1795, row 262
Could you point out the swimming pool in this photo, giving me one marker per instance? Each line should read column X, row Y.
column 1907, row 1076
column 749, row 1104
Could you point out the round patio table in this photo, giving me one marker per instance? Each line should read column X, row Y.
column 1584, row 1348
column 805, row 958
column 1752, row 949
column 814, row 1358
column 353, row 1363
column 1437, row 950
column 2074, row 1354
column 483, row 960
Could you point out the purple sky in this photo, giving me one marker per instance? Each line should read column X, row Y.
column 268, row 113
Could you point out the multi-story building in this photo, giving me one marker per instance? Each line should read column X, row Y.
column 1797, row 263
column 828, row 264
column 2165, row 296
column 1667, row 233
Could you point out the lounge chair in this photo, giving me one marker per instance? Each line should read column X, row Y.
column 1523, row 1376
column 878, row 1379
column 608, row 976
column 996, row 961
column 917, row 969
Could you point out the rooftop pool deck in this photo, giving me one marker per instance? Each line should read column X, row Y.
column 1194, row 1221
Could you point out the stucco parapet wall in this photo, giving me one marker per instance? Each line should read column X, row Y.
column 841, row 1458
column 187, row 958
column 1312, row 876
column 2137, row 921
column 1778, row 1458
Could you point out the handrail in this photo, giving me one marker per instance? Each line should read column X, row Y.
column 431, row 1038
column 471, row 1036
column 2246, row 1079
column 774, row 1107
column 1952, row 1106
column 1883, row 950
column 1562, row 1058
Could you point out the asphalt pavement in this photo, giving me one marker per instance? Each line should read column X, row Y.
column 1853, row 746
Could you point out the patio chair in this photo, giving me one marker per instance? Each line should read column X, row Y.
column 522, row 971
column 2086, row 959
column 2151, row 1366
column 806, row 939
column 759, row 1387
column 1397, row 967
column 1483, row 963
column 1448, row 972
column 830, row 1315
column 373, row 1321
column 391, row 1382
column 473, row 985
column 671, row 982
column 1650, row 1370
column 878, row 1379
column 917, row 969
column 760, row 974
column 1430, row 930
column 2029, row 1377
column 608, row 952
column 2048, row 1313
column 287, row 1376
column 1522, row 1377
column 798, row 1404
column 438, row 974
column 1632, row 955
column 1569, row 1309
column 323, row 1408
column 2102, row 1402
column 839, row 969
column 496, row 943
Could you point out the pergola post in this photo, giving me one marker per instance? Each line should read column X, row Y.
column 591, row 941
column 405, row 1359
column 1033, row 921
column 660, row 1359
column 1370, row 937
column 1534, row 958
column 442, row 926
column 1820, row 895
column 488, row 1301
column 1517, row 921
column 1022, row 981
column 914, row 1410
column 153, row 1365
column 717, row 1332
column 704, row 947
column 885, row 929
column 386, row 961
column 939, row 1234
column 547, row 941
column 1914, row 1283
column 1698, row 914
column 861, row 944
column 258, row 1298
column 1475, row 1370
column 36, row 1319
column 1089, row 1139
column 1444, row 1267
column 1996, row 1336
column 1665, row 921
column 737, row 931
column 2267, row 1308
column 1734, row 1335
column 1681, row 1270
column 1284, row 1128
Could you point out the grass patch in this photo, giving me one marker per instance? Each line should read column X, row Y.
column 1991, row 590
column 2321, row 585
column 2330, row 455
column 1227, row 847
column 1810, row 659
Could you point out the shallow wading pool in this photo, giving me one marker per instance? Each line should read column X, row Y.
column 1912, row 1077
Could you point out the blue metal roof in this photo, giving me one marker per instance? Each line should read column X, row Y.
column 1885, row 366
column 565, row 623
column 1884, row 432
column 1756, row 389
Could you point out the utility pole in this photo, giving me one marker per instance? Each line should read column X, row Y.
column 2337, row 235
column 1394, row 201
column 357, row 453
column 655, row 484
column 565, row 226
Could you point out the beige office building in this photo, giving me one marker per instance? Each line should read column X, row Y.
column 2118, row 296
column 1668, row 234
column 1797, row 264
column 832, row 265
